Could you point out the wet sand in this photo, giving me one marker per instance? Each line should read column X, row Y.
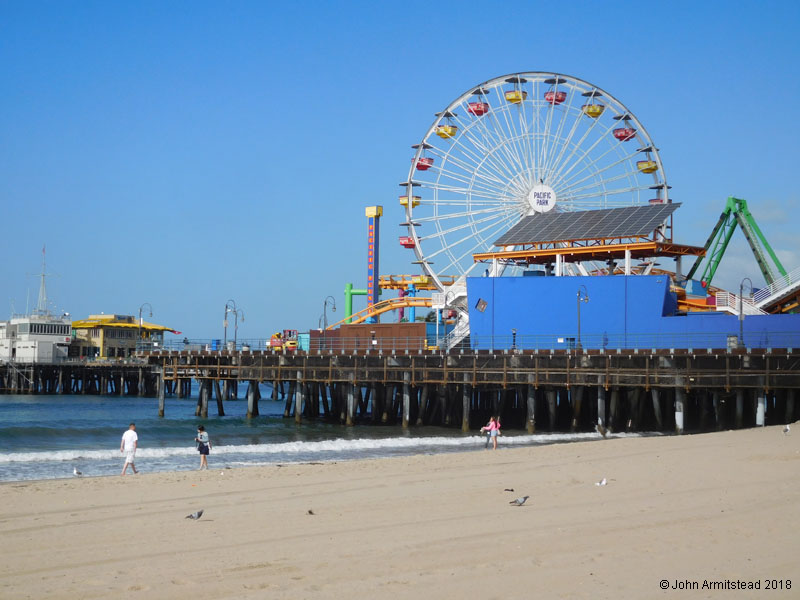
column 718, row 507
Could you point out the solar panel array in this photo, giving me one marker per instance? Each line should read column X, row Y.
column 630, row 221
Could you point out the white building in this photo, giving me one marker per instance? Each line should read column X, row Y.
column 36, row 338
column 40, row 337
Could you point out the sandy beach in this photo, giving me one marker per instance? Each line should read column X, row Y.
column 718, row 508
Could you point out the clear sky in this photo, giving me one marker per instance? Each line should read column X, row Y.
column 187, row 153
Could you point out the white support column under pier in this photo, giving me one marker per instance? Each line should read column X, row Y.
column 761, row 408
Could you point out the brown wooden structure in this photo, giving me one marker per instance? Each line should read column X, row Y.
column 569, row 390
column 552, row 390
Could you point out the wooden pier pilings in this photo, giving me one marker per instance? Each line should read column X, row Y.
column 545, row 390
column 79, row 378
column 551, row 390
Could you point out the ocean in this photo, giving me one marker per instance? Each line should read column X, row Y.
column 46, row 436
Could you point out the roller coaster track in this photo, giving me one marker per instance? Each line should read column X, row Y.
column 382, row 307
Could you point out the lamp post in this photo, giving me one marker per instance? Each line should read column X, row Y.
column 230, row 307
column 323, row 319
column 139, row 328
column 325, row 310
column 583, row 296
column 741, row 308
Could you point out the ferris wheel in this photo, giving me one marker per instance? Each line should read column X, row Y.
column 514, row 146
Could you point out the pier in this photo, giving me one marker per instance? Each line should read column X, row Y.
column 532, row 390
column 113, row 378
column 553, row 390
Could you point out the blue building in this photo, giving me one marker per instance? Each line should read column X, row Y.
column 613, row 311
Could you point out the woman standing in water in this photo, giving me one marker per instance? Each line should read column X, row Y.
column 492, row 429
column 203, row 446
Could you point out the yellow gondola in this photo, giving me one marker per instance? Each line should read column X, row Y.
column 516, row 96
column 647, row 166
column 414, row 201
column 593, row 110
column 446, row 131
column 420, row 280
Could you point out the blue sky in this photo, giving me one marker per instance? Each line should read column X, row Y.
column 185, row 153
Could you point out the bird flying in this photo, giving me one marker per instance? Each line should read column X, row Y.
column 195, row 515
column 519, row 501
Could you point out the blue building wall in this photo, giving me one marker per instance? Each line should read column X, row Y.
column 622, row 312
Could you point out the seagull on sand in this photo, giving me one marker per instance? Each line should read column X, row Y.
column 75, row 472
column 603, row 481
column 195, row 515
column 786, row 429
column 519, row 501
column 601, row 430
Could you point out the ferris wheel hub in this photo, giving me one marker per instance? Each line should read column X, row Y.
column 541, row 199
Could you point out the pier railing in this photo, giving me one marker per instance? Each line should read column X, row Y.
column 777, row 288
column 570, row 341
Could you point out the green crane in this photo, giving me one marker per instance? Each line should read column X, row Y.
column 736, row 211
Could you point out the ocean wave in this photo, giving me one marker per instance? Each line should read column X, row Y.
column 329, row 447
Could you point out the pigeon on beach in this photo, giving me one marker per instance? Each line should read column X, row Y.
column 75, row 472
column 603, row 481
column 195, row 515
column 786, row 429
column 519, row 501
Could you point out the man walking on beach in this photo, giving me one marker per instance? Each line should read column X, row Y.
column 129, row 443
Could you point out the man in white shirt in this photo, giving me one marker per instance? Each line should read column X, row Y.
column 129, row 443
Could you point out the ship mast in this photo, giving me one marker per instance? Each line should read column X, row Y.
column 41, row 306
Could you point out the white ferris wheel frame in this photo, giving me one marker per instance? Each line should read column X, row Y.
column 481, row 179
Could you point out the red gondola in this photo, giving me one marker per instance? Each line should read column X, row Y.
column 555, row 97
column 424, row 163
column 478, row 108
column 623, row 134
column 407, row 241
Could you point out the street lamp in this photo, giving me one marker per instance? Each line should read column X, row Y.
column 139, row 329
column 230, row 307
column 583, row 296
column 325, row 310
column 741, row 309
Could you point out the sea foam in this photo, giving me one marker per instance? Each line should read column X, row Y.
column 324, row 447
